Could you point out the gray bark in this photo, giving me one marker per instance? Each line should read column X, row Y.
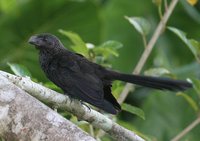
column 24, row 118
column 74, row 106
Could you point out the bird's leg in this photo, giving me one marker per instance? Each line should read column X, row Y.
column 82, row 103
column 70, row 97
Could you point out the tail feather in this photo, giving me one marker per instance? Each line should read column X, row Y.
column 108, row 107
column 153, row 82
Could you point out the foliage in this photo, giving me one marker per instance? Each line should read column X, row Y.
column 133, row 110
column 141, row 25
column 192, row 44
column 19, row 70
column 98, row 30
column 79, row 45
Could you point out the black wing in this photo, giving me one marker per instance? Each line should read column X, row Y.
column 77, row 77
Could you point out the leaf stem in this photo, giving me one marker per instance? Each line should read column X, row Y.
column 144, row 40
column 166, row 5
column 160, row 11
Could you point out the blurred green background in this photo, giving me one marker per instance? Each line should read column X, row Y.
column 97, row 21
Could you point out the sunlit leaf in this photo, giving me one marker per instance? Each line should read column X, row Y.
column 108, row 48
column 117, row 87
column 8, row 6
column 134, row 110
column 112, row 44
column 51, row 85
column 179, row 33
column 192, row 44
column 196, row 47
column 141, row 24
column 192, row 2
column 19, row 70
column 156, row 72
column 191, row 102
column 90, row 45
column 106, row 52
column 157, row 2
column 79, row 45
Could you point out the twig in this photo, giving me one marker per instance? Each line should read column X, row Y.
column 187, row 129
column 144, row 40
column 166, row 5
column 149, row 48
column 160, row 11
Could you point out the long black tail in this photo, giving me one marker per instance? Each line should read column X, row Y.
column 152, row 82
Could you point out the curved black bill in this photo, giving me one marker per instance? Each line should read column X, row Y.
column 33, row 40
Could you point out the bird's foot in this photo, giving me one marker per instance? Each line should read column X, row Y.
column 82, row 103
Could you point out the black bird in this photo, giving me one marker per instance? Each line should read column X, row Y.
column 87, row 81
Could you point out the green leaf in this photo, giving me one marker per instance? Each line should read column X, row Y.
column 79, row 45
column 157, row 2
column 106, row 52
column 192, row 44
column 117, row 87
column 134, row 110
column 8, row 7
column 141, row 24
column 192, row 2
column 19, row 70
column 156, row 72
column 195, row 46
column 191, row 102
column 112, row 44
column 196, row 84
column 108, row 48
column 51, row 85
column 192, row 11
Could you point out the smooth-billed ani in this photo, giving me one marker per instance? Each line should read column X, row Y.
column 87, row 81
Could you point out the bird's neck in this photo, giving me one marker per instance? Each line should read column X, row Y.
column 46, row 57
column 45, row 54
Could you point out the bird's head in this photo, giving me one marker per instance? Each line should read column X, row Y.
column 45, row 41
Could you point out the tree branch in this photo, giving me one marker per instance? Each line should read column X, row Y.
column 74, row 106
column 148, row 49
column 24, row 118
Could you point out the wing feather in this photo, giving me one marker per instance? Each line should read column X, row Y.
column 78, row 79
